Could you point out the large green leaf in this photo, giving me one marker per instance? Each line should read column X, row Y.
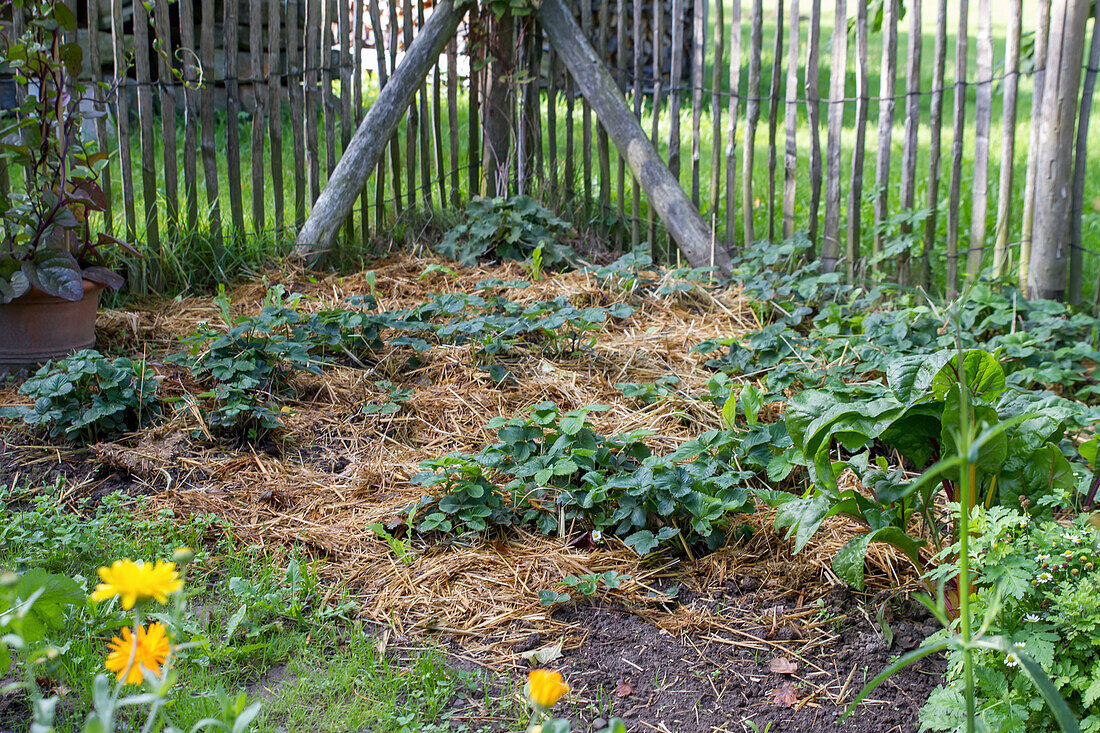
column 1047, row 472
column 984, row 376
column 910, row 377
column 916, row 432
column 992, row 451
column 849, row 562
column 13, row 286
column 57, row 273
column 47, row 611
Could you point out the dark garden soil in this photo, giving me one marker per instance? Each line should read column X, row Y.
column 630, row 668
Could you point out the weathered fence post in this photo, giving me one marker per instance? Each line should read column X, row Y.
column 594, row 81
column 365, row 149
column 1051, row 237
column 497, row 122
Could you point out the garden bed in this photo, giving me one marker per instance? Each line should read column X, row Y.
column 682, row 644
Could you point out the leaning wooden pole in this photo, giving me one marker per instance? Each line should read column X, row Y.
column 680, row 216
column 365, row 149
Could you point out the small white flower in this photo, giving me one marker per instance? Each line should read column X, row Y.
column 597, row 536
column 1044, row 577
column 1067, row 554
column 1025, row 521
column 1072, row 538
column 1020, row 644
column 1033, row 618
column 1041, row 558
column 1011, row 661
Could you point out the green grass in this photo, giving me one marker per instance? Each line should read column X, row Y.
column 309, row 661
column 404, row 226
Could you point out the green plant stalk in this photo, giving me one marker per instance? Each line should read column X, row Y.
column 966, row 480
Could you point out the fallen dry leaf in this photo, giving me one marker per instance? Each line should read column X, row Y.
column 782, row 665
column 785, row 696
column 624, row 688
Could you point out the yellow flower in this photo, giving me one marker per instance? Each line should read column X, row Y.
column 546, row 687
column 149, row 652
column 135, row 581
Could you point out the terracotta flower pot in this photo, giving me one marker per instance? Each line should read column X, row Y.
column 38, row 327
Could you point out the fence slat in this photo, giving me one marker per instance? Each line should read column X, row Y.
column 731, row 132
column 232, row 113
column 790, row 122
column 535, row 114
column 752, row 116
column 1008, row 136
column 773, row 114
column 312, row 89
column 344, row 70
column 395, row 143
column 101, row 120
column 654, row 137
column 602, row 145
column 621, row 80
column 473, row 147
column 123, row 119
column 452, row 119
column 586, row 115
column 855, row 185
column 163, row 29
column 437, row 129
column 552, row 121
column 146, row 137
column 935, row 124
column 424, row 121
column 698, row 66
column 1080, row 161
column 259, row 111
column 357, row 117
column 275, row 109
column 912, row 124
column 716, row 121
column 295, row 79
column 1027, row 217
column 380, row 172
column 638, row 43
column 886, row 107
column 830, row 247
column 570, row 164
column 328, row 76
column 675, row 79
column 957, row 152
column 813, row 115
column 411, row 119
column 983, row 116
column 522, row 110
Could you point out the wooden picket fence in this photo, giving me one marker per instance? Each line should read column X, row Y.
column 304, row 71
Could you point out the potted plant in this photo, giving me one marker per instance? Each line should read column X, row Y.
column 51, row 267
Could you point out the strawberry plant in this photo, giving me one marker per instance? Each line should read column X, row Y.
column 88, row 397
column 507, row 229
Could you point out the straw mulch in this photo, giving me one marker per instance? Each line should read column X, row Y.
column 340, row 471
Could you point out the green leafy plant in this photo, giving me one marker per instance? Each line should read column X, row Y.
column 248, row 366
column 971, row 438
column 87, row 397
column 553, row 470
column 1038, row 584
column 586, row 585
column 46, row 239
column 915, row 414
column 507, row 229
